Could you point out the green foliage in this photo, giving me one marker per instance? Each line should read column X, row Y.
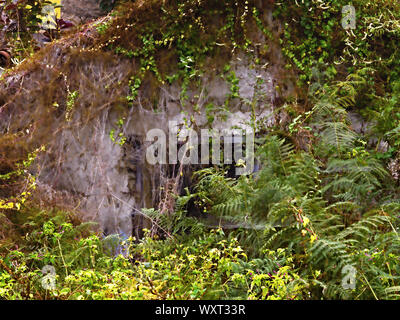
column 187, row 33
column 209, row 265
column 102, row 27
column 19, row 173
column 327, row 207
column 121, row 139
column 71, row 98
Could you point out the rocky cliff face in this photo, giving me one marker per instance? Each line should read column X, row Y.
column 113, row 180
column 110, row 182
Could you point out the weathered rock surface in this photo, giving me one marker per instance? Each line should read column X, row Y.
column 79, row 11
column 110, row 182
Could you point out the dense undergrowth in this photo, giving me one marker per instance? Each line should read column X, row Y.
column 323, row 207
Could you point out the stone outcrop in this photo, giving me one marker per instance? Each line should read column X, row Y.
column 79, row 11
column 112, row 182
